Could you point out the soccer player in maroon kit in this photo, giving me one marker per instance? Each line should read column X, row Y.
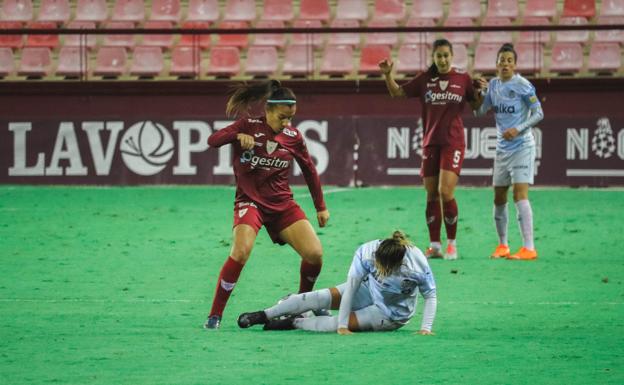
column 443, row 91
column 263, row 151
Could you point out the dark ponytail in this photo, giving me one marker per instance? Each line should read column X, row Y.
column 507, row 47
column 390, row 253
column 433, row 69
column 245, row 95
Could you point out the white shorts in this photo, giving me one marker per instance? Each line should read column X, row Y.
column 368, row 315
column 516, row 167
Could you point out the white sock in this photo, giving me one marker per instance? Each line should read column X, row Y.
column 435, row 245
column 317, row 324
column 451, row 242
column 299, row 303
column 501, row 218
column 525, row 221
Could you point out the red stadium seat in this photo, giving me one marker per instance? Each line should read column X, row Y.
column 17, row 10
column 72, row 62
column 370, row 58
column 460, row 56
column 127, row 41
column 610, row 35
column 412, row 58
column 419, row 37
column 48, row 41
column 162, row 41
column 261, row 61
column 224, row 61
column 278, row 10
column 498, row 36
column 271, row 39
column 237, row 40
column 244, row 10
column 56, row 11
column 166, row 10
column 129, row 10
column 352, row 39
column 459, row 37
column 540, row 8
column 337, row 60
column 579, row 8
column 314, row 10
column 7, row 62
column 427, row 9
column 89, row 41
column 485, row 57
column 11, row 41
column 502, row 8
column 352, row 10
column 147, row 61
column 308, row 38
column 605, row 57
column 204, row 41
column 382, row 38
column 612, row 8
column 572, row 36
column 566, row 58
column 36, row 62
column 185, row 61
column 91, row 10
column 530, row 58
column 203, row 10
column 111, row 62
column 298, row 60
column 542, row 37
column 389, row 9
column 468, row 9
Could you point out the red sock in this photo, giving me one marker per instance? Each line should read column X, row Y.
column 308, row 273
column 450, row 218
column 434, row 220
column 227, row 279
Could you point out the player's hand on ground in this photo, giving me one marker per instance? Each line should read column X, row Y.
column 426, row 333
column 247, row 142
column 323, row 217
column 344, row 331
column 386, row 66
column 510, row 133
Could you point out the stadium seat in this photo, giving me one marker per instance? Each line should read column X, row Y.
column 579, row 8
column 166, row 10
column 7, row 62
column 272, row 39
column 612, row 8
column 566, row 58
column 604, row 58
column 129, row 10
column 308, row 38
column 72, row 62
column 162, row 41
column 352, row 39
column 244, row 10
column 540, row 8
column 185, row 61
column 370, row 58
column 17, row 10
column 337, row 60
column 298, row 60
column 203, row 10
column 427, row 9
column 572, row 36
column 147, row 61
column 412, row 58
column 91, row 10
column 204, row 41
column 609, row 35
column 56, row 11
column 530, row 58
column 382, row 38
column 389, row 10
column 48, row 41
column 11, row 41
column 485, row 58
column 498, row 36
column 542, row 37
column 261, row 61
column 278, row 10
column 238, row 40
column 459, row 37
column 468, row 9
column 35, row 62
column 502, row 8
column 314, row 10
column 89, row 41
column 110, row 62
column 127, row 41
column 419, row 37
column 224, row 61
column 460, row 56
column 352, row 10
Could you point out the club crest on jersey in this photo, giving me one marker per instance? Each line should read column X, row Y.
column 270, row 146
column 443, row 84
column 242, row 212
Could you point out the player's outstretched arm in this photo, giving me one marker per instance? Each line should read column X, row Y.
column 385, row 66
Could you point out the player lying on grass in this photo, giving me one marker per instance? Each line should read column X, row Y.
column 380, row 294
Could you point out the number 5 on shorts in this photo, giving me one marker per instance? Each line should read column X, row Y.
column 456, row 158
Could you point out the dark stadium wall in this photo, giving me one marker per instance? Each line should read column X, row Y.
column 155, row 133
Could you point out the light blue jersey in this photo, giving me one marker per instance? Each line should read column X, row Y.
column 395, row 295
column 515, row 104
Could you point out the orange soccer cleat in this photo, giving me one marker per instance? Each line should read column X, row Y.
column 433, row 253
column 451, row 252
column 502, row 251
column 524, row 254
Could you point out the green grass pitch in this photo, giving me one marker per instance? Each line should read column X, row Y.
column 111, row 286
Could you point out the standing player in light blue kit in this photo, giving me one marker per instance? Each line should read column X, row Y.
column 380, row 294
column 516, row 109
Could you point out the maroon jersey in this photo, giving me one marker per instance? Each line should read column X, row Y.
column 262, row 172
column 442, row 98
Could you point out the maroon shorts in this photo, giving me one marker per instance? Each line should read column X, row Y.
column 436, row 158
column 249, row 214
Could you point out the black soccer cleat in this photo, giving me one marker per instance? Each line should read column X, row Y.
column 246, row 320
column 287, row 323
column 213, row 322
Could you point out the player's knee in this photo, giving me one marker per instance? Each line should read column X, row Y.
column 446, row 193
column 314, row 255
column 241, row 253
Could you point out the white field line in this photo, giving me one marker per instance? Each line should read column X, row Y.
column 325, row 192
